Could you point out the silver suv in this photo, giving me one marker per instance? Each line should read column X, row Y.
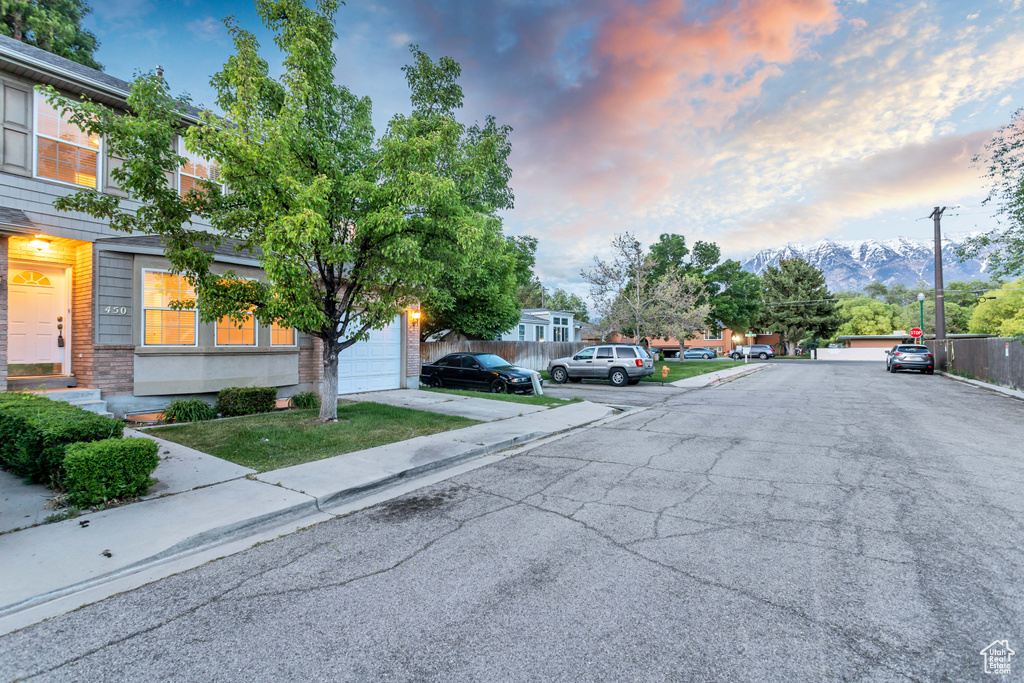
column 762, row 351
column 620, row 364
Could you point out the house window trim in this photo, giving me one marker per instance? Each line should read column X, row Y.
column 270, row 329
column 540, row 332
column 522, row 333
column 144, row 308
column 255, row 335
column 708, row 337
column 34, row 131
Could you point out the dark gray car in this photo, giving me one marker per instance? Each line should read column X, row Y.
column 910, row 357
column 762, row 351
column 618, row 363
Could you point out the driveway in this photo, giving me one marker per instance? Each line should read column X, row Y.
column 813, row 522
column 643, row 394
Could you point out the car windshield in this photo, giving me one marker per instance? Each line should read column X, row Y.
column 489, row 360
column 912, row 349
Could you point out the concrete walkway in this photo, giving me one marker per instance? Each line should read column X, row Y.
column 43, row 564
column 481, row 409
column 717, row 376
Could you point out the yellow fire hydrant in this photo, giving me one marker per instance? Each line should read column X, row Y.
column 664, row 371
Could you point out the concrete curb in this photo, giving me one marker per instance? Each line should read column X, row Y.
column 1005, row 391
column 682, row 383
column 211, row 538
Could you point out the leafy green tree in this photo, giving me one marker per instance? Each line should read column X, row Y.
column 797, row 302
column 876, row 290
column 864, row 315
column 1003, row 314
column 532, row 294
column 349, row 229
column 735, row 297
column 51, row 25
column 670, row 253
column 560, row 300
column 1003, row 160
column 480, row 300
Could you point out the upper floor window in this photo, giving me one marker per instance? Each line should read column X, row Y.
column 161, row 325
column 195, row 169
column 282, row 336
column 713, row 336
column 64, row 152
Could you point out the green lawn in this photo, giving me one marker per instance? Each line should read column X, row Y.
column 513, row 398
column 275, row 440
column 678, row 370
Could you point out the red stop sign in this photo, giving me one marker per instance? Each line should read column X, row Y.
column 916, row 332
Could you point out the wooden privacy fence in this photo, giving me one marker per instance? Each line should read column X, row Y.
column 531, row 355
column 997, row 361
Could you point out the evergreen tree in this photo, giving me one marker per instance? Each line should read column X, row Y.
column 797, row 302
column 51, row 25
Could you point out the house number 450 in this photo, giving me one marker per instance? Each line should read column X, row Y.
column 116, row 310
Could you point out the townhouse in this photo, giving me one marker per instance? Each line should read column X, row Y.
column 83, row 306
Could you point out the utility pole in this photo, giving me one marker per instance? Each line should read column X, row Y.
column 940, row 296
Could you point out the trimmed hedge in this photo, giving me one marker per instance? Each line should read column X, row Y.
column 112, row 468
column 246, row 400
column 35, row 431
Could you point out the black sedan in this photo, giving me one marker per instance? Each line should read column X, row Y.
column 481, row 371
column 910, row 357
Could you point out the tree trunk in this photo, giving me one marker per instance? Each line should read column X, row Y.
column 790, row 348
column 682, row 350
column 17, row 25
column 329, row 387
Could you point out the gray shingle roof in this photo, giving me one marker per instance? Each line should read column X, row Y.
column 229, row 247
column 15, row 218
column 64, row 68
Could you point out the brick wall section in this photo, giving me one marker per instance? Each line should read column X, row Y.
column 3, row 313
column 115, row 369
column 311, row 362
column 82, row 358
column 412, row 344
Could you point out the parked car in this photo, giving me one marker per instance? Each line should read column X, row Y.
column 762, row 351
column 475, row 370
column 620, row 364
column 910, row 357
column 700, row 352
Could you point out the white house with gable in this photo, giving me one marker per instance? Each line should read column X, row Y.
column 543, row 324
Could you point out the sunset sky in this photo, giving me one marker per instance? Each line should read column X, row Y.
column 748, row 123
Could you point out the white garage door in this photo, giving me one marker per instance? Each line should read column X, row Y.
column 374, row 364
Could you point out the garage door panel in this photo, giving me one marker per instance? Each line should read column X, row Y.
column 374, row 364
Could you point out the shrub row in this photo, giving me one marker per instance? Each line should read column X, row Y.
column 246, row 400
column 189, row 410
column 305, row 400
column 35, row 432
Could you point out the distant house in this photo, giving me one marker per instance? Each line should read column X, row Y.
column 544, row 324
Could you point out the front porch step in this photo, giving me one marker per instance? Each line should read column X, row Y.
column 99, row 407
column 70, row 395
column 86, row 399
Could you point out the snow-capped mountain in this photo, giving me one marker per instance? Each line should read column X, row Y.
column 852, row 264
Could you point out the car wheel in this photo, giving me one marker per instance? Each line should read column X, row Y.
column 763, row 356
column 559, row 375
column 892, row 369
column 706, row 356
column 618, row 377
column 929, row 372
column 434, row 382
column 499, row 387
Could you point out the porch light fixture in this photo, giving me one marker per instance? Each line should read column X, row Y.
column 39, row 244
column 414, row 315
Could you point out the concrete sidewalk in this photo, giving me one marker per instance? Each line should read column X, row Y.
column 45, row 563
column 717, row 376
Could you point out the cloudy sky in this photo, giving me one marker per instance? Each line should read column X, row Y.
column 747, row 122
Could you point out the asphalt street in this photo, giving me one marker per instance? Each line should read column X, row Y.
column 810, row 522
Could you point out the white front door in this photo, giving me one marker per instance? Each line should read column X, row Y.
column 37, row 320
column 374, row 364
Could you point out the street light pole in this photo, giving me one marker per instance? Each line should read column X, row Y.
column 940, row 296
